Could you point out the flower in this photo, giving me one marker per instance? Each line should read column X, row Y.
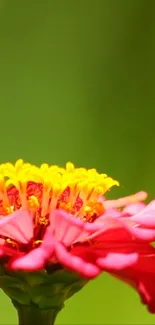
column 120, row 245
column 29, row 197
column 58, row 217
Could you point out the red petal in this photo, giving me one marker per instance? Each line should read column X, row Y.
column 142, row 278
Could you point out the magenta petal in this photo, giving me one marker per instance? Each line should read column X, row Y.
column 117, row 261
column 75, row 263
column 17, row 226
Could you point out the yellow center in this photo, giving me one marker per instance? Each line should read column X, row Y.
column 43, row 189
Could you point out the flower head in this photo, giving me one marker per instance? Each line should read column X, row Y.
column 58, row 217
column 29, row 195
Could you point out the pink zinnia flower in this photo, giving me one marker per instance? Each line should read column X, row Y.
column 56, row 216
column 30, row 199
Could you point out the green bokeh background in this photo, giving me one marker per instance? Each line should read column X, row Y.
column 77, row 82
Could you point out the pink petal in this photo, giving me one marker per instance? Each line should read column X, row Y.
column 108, row 213
column 37, row 258
column 108, row 257
column 68, row 229
column 17, row 226
column 142, row 234
column 113, row 248
column 117, row 261
column 112, row 229
column 75, row 263
column 137, row 232
column 140, row 196
column 122, row 229
column 146, row 216
column 133, row 208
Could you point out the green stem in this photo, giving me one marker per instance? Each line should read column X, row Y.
column 31, row 315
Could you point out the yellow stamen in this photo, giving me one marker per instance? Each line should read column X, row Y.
column 60, row 188
column 43, row 221
column 33, row 202
column 37, row 243
column 66, row 206
column 9, row 209
column 69, row 167
column 12, row 243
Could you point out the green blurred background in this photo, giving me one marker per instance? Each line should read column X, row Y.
column 77, row 82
